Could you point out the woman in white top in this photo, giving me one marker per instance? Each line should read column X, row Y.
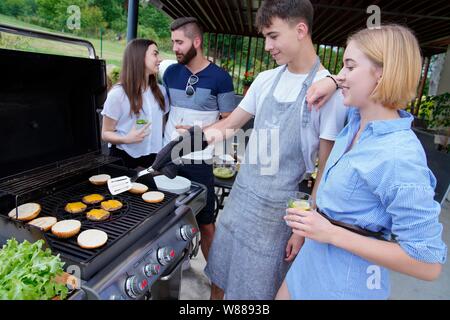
column 133, row 114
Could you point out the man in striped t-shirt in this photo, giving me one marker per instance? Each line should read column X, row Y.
column 200, row 92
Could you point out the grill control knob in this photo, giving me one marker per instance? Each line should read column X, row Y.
column 152, row 269
column 188, row 232
column 134, row 288
column 165, row 255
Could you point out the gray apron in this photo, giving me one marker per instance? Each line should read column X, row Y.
column 248, row 251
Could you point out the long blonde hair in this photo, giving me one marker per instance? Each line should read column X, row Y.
column 395, row 49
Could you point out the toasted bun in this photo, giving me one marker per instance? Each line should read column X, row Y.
column 93, row 198
column 44, row 223
column 153, row 196
column 99, row 179
column 27, row 211
column 138, row 188
column 92, row 238
column 111, row 205
column 97, row 215
column 66, row 228
column 75, row 207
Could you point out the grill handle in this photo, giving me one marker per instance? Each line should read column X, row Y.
column 49, row 36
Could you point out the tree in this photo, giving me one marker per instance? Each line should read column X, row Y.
column 149, row 16
column 18, row 8
column 113, row 13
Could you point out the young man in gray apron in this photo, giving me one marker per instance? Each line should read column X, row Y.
column 199, row 93
column 253, row 247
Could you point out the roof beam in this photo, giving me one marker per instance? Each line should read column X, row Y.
column 162, row 7
column 330, row 21
column 443, row 39
column 319, row 18
column 337, row 26
column 239, row 12
column 179, row 6
column 173, row 8
column 200, row 17
column 425, row 28
column 222, row 14
column 431, row 37
column 250, row 15
column 407, row 5
column 206, row 14
column 214, row 14
column 206, row 19
column 227, row 3
column 400, row 14
column 440, row 9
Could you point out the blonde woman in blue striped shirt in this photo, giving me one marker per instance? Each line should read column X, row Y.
column 376, row 179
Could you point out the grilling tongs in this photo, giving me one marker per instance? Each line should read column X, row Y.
column 124, row 183
column 165, row 166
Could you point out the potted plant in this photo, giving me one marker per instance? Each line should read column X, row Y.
column 436, row 109
column 247, row 81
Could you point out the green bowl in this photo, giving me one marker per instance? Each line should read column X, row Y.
column 223, row 173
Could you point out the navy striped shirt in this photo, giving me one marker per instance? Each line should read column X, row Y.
column 214, row 90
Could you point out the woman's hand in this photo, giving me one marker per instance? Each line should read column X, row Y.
column 320, row 92
column 310, row 224
column 293, row 247
column 137, row 135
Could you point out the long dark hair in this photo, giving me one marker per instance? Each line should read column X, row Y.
column 132, row 76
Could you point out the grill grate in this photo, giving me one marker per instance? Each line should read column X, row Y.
column 43, row 177
column 134, row 212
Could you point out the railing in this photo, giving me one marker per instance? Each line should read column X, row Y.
column 242, row 55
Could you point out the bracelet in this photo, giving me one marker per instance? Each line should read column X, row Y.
column 334, row 80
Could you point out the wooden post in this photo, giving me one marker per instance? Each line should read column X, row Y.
column 422, row 85
column 247, row 63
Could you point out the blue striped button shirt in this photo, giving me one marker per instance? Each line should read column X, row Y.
column 381, row 184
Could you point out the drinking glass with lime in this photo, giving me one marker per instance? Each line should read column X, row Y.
column 300, row 200
column 140, row 123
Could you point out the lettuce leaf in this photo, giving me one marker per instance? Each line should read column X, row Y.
column 27, row 272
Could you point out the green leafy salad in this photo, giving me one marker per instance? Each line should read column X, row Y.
column 27, row 272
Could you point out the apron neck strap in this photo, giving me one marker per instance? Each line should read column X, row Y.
column 306, row 84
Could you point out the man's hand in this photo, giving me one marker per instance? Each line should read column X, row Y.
column 320, row 92
column 169, row 156
column 293, row 247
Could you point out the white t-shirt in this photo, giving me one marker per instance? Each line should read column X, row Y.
column 326, row 123
column 117, row 107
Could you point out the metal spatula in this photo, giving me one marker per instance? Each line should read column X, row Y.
column 124, row 183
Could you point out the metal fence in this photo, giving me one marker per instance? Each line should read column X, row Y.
column 243, row 55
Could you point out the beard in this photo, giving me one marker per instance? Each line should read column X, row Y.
column 188, row 56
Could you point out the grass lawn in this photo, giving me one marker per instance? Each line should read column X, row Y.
column 111, row 51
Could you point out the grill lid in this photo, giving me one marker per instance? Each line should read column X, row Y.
column 48, row 108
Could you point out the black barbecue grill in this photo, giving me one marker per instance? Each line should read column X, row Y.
column 50, row 148
column 126, row 224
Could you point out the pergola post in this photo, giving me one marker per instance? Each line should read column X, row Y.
column 133, row 9
column 444, row 82
column 422, row 85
